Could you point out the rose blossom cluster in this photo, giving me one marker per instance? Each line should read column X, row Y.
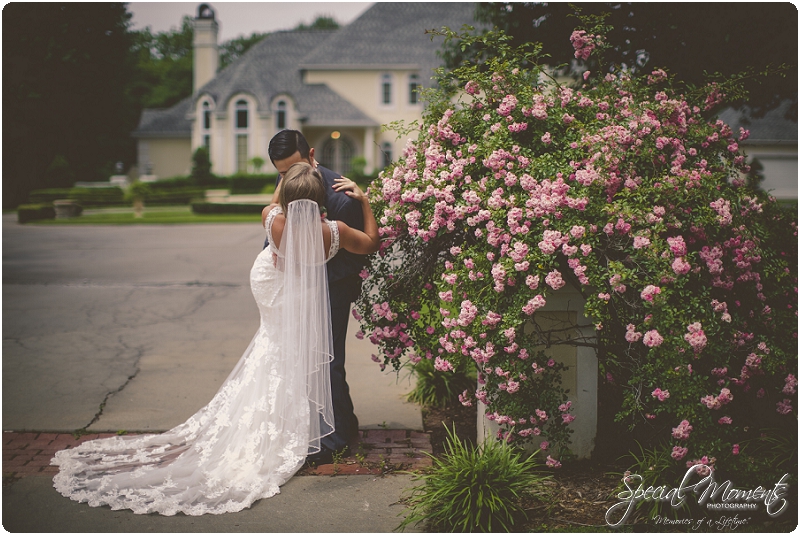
column 583, row 43
column 696, row 337
column 521, row 191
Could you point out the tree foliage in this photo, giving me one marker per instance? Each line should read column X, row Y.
column 687, row 39
column 322, row 22
column 67, row 107
column 233, row 49
column 164, row 63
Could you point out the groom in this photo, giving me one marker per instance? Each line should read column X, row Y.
column 344, row 285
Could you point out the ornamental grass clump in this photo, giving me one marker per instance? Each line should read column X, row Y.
column 474, row 488
column 629, row 190
column 440, row 390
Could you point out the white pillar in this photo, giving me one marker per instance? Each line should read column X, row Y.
column 369, row 149
column 580, row 378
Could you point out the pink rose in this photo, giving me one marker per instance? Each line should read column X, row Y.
column 652, row 338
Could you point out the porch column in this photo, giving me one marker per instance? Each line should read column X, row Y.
column 369, row 149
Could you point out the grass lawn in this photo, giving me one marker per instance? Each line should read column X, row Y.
column 168, row 215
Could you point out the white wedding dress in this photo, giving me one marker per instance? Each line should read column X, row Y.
column 268, row 415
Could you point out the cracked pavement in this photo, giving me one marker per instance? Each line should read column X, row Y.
column 134, row 328
column 121, row 328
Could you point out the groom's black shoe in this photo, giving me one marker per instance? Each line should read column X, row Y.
column 325, row 456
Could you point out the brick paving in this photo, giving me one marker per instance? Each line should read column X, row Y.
column 377, row 451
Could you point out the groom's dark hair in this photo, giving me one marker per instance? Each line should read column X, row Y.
column 287, row 142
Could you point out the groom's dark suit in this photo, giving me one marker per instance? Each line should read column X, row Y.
column 344, row 285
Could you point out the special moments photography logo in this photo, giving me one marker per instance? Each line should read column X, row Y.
column 713, row 495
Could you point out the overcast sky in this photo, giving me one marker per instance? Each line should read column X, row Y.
column 243, row 18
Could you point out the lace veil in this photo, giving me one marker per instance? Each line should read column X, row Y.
column 307, row 341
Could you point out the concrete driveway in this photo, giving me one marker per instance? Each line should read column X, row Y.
column 135, row 327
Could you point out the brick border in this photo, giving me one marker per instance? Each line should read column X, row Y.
column 377, row 451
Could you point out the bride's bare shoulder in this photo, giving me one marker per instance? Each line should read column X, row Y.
column 265, row 213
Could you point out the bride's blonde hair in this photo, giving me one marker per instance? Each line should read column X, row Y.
column 301, row 181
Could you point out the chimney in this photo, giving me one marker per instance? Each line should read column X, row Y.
column 206, row 53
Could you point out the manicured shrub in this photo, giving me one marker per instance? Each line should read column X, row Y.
column 243, row 184
column 225, row 208
column 201, row 167
column 44, row 196
column 97, row 197
column 35, row 212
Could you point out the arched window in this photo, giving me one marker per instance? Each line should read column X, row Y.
column 241, row 114
column 241, row 136
column 280, row 115
column 206, row 116
column 386, row 147
column 207, row 126
column 386, row 89
column 413, row 86
column 337, row 154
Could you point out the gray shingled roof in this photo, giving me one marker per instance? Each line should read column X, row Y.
column 271, row 68
column 773, row 128
column 170, row 122
column 387, row 34
column 391, row 33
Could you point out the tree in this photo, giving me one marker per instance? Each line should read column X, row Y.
column 164, row 63
column 686, row 39
column 233, row 49
column 67, row 112
column 322, row 22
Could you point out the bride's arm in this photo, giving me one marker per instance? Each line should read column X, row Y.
column 269, row 208
column 265, row 212
column 351, row 239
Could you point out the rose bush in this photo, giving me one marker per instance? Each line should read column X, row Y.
column 627, row 189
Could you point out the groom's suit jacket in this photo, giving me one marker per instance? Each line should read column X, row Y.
column 343, row 281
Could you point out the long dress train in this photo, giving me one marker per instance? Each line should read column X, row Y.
column 267, row 416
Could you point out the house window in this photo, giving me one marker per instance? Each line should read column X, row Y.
column 387, row 153
column 337, row 154
column 206, row 116
column 386, row 89
column 207, row 126
column 241, row 153
column 413, row 86
column 241, row 114
column 280, row 115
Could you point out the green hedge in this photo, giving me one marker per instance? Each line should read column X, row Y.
column 213, row 182
column 34, row 212
column 242, row 184
column 89, row 197
column 183, row 195
column 225, row 208
column 45, row 196
column 174, row 183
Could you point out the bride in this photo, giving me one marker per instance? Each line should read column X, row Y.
column 274, row 407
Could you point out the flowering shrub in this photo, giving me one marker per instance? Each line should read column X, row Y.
column 628, row 191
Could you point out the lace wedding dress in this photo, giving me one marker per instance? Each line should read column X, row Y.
column 268, row 415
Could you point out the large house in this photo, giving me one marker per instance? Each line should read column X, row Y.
column 772, row 146
column 338, row 87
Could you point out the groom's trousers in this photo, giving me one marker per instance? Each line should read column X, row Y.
column 343, row 292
